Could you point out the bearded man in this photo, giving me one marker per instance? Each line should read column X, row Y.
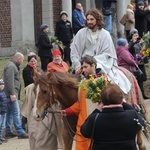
column 95, row 41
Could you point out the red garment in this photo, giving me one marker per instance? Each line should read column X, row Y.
column 63, row 67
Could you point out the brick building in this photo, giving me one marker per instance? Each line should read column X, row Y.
column 20, row 20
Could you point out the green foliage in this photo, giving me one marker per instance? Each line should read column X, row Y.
column 94, row 87
column 146, row 38
column 53, row 39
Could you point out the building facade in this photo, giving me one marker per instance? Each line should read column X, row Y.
column 20, row 20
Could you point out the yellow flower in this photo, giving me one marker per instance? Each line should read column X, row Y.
column 94, row 87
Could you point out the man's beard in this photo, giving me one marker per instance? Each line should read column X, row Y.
column 91, row 26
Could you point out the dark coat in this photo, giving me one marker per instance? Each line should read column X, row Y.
column 135, row 48
column 27, row 74
column 44, row 45
column 12, row 79
column 115, row 129
column 64, row 31
column 3, row 102
column 141, row 21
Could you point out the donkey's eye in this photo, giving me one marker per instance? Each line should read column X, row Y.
column 44, row 91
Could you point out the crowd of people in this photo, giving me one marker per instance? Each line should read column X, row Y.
column 87, row 47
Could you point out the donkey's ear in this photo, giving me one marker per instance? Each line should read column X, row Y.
column 36, row 74
column 49, row 74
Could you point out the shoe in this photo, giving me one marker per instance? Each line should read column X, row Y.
column 23, row 136
column 10, row 135
column 3, row 140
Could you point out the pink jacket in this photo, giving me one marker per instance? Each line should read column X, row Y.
column 125, row 58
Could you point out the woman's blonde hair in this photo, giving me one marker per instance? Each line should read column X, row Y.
column 130, row 6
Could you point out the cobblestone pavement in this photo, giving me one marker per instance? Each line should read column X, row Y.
column 23, row 144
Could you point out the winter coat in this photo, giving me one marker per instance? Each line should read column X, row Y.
column 78, row 20
column 12, row 79
column 3, row 102
column 135, row 48
column 44, row 45
column 27, row 75
column 63, row 67
column 130, row 23
column 125, row 58
column 141, row 21
column 115, row 129
column 64, row 31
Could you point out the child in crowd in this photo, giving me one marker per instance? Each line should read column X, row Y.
column 3, row 108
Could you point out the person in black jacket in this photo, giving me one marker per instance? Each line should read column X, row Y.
column 44, row 47
column 64, row 34
column 115, row 128
column 141, row 18
column 135, row 45
column 27, row 75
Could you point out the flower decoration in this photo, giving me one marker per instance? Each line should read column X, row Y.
column 93, row 86
column 139, row 56
column 56, row 43
column 53, row 39
column 146, row 46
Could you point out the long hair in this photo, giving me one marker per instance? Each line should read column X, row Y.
column 98, row 16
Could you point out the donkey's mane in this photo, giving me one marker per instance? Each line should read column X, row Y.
column 63, row 78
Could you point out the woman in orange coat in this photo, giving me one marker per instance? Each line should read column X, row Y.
column 57, row 64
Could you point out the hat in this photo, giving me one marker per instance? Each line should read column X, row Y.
column 122, row 42
column 63, row 13
column 56, row 52
column 133, row 31
column 31, row 55
column 140, row 3
column 1, row 82
column 43, row 26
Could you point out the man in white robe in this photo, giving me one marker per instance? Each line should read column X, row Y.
column 97, row 42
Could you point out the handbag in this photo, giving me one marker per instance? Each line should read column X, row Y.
column 123, row 19
column 92, row 141
column 138, row 73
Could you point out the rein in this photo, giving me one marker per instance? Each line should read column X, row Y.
column 70, row 130
column 49, row 105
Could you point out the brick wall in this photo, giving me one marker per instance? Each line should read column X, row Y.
column 5, row 23
column 57, row 8
column 37, row 17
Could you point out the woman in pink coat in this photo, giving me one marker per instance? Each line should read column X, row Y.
column 125, row 59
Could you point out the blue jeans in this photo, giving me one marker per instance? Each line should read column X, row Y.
column 108, row 23
column 2, row 120
column 13, row 115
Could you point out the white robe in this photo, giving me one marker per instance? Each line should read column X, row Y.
column 103, row 51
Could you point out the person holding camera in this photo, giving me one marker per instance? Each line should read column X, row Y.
column 135, row 45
